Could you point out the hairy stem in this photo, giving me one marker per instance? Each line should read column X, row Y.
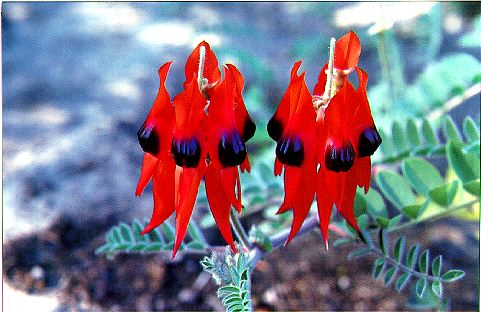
column 239, row 230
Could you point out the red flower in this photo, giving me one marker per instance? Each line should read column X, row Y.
column 333, row 128
column 202, row 133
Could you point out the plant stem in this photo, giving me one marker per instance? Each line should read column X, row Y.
column 239, row 230
column 434, row 217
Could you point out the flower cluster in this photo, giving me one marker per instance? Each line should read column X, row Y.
column 201, row 133
column 325, row 140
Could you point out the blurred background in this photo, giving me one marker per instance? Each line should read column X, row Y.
column 79, row 80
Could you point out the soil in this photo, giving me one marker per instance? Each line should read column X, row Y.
column 302, row 276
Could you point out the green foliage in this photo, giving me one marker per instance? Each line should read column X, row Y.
column 471, row 39
column 232, row 273
column 400, row 271
column 394, row 147
column 125, row 238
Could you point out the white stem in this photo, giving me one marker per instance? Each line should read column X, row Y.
column 328, row 90
column 200, row 73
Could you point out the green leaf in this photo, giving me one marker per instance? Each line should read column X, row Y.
column 375, row 206
column 117, row 237
column 382, row 222
column 465, row 165
column 402, row 281
column 422, row 176
column 153, row 247
column 437, row 288
column 395, row 188
column 412, row 133
column 412, row 211
column 387, row 146
column 412, row 256
column 453, row 275
column 260, row 239
column 136, row 229
column 428, row 133
column 436, row 265
column 451, row 132
column 384, row 242
column 195, row 245
column 394, row 220
column 156, row 236
column 126, row 233
column 112, row 236
column 389, row 276
column 102, row 249
column 424, row 261
column 196, row 233
column 137, row 247
column 399, row 249
column 421, row 287
column 443, row 195
column 470, row 130
column 472, row 187
column 342, row 242
column 378, row 267
column 169, row 232
column 358, row 253
column 399, row 138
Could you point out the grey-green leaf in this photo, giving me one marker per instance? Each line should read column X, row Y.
column 470, row 130
column 387, row 146
column 412, row 133
column 428, row 133
column 126, row 233
column 421, row 287
column 422, row 176
column 399, row 138
column 437, row 288
column 358, row 253
column 389, row 276
column 378, row 267
column 436, row 265
column 424, row 261
column 412, row 256
column 451, row 132
column 395, row 188
column 402, row 281
column 399, row 249
column 453, row 275
column 443, row 195
column 384, row 241
column 472, row 187
column 466, row 165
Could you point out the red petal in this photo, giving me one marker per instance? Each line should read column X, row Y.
column 244, row 123
column 277, row 167
column 347, row 51
column 211, row 65
column 230, row 178
column 362, row 167
column 304, row 197
column 159, row 121
column 321, row 82
column 164, row 192
column 189, row 111
column 346, row 205
column 278, row 123
column 186, row 190
column 226, row 145
column 246, row 166
column 324, row 204
column 148, row 166
column 219, row 204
